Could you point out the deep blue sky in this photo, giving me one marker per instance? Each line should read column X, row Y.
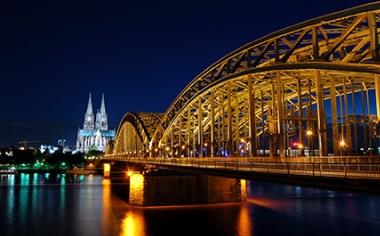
column 139, row 53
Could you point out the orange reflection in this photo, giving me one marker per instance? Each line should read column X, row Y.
column 133, row 224
column 136, row 189
column 267, row 203
column 244, row 223
column 243, row 189
column 107, row 169
column 106, row 202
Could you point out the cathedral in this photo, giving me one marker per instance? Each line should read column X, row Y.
column 95, row 133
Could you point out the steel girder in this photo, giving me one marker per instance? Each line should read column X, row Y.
column 135, row 131
column 270, row 87
column 338, row 44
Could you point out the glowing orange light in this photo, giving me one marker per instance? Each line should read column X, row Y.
column 309, row 132
column 107, row 169
column 136, row 189
column 133, row 224
column 342, row 143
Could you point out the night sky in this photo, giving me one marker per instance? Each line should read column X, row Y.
column 140, row 54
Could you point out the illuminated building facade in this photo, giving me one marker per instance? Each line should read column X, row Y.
column 95, row 133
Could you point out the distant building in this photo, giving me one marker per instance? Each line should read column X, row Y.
column 95, row 133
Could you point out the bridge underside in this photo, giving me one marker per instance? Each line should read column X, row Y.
column 310, row 89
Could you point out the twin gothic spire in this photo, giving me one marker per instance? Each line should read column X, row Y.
column 101, row 122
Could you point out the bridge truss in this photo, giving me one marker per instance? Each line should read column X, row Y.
column 308, row 87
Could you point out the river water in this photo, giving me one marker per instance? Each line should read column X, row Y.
column 58, row 204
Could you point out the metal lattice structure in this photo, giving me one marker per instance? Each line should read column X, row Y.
column 135, row 132
column 283, row 87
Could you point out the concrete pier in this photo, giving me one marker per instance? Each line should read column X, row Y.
column 155, row 190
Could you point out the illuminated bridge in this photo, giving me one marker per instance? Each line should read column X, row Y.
column 304, row 99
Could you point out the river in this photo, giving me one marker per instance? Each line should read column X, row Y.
column 59, row 204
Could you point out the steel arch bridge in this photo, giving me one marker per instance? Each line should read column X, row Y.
column 311, row 84
column 135, row 132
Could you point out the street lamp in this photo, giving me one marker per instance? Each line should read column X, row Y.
column 242, row 147
column 342, row 145
column 206, row 144
column 309, row 134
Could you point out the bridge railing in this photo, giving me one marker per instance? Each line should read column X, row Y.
column 346, row 167
column 324, row 159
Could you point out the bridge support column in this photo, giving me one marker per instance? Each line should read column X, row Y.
column 348, row 123
column 229, row 121
column 320, row 114
column 262, row 143
column 212, row 125
column 236, row 141
column 272, row 134
column 200, row 128
column 300, row 114
column 377, row 94
column 189, row 134
column 190, row 189
column 310, row 124
column 280, row 127
column 252, row 120
column 335, row 132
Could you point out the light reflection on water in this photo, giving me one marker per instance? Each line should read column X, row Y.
column 40, row 204
column 133, row 223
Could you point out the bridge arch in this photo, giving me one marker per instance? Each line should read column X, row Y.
column 135, row 132
column 305, row 84
column 279, row 84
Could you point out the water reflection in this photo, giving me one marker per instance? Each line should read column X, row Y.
column 133, row 224
column 106, row 204
column 89, row 205
column 244, row 222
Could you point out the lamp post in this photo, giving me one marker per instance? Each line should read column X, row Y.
column 300, row 147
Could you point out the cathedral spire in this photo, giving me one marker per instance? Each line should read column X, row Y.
column 89, row 116
column 89, row 106
column 101, row 117
column 103, row 106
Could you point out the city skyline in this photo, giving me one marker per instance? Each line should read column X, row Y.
column 136, row 53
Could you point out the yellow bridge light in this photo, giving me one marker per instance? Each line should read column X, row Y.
column 309, row 132
column 342, row 143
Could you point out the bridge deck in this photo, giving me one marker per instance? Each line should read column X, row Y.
column 333, row 167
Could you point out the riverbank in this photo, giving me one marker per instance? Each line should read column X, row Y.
column 46, row 169
column 81, row 171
